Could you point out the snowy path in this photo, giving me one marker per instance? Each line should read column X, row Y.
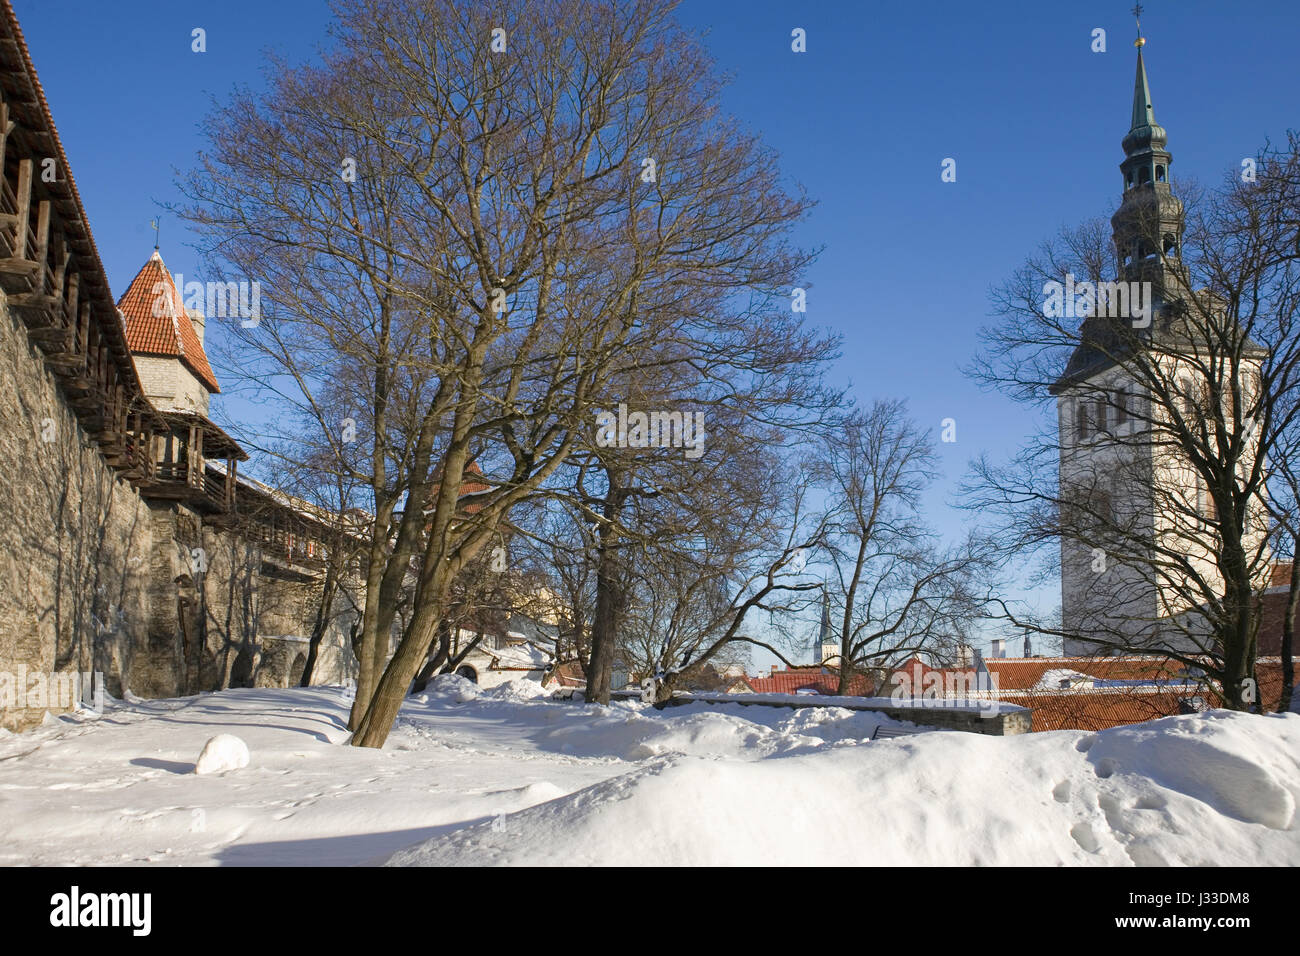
column 471, row 778
column 121, row 789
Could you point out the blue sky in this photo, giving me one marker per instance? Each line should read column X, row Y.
column 863, row 119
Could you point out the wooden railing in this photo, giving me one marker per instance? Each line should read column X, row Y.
column 66, row 312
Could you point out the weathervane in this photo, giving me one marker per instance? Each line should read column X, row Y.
column 1137, row 15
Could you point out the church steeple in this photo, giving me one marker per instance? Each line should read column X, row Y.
column 1143, row 113
column 1148, row 226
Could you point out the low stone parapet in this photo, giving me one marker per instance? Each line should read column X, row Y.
column 991, row 717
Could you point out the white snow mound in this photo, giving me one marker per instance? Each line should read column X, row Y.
column 1208, row 789
column 223, row 752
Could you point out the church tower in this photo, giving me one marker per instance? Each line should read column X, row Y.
column 1148, row 226
column 827, row 646
column 1122, row 483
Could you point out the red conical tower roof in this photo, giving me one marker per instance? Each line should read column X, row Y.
column 156, row 323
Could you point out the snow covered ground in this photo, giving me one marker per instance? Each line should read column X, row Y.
column 505, row 776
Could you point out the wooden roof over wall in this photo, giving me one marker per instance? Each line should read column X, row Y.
column 35, row 134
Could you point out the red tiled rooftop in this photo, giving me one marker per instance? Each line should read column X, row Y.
column 156, row 323
column 809, row 679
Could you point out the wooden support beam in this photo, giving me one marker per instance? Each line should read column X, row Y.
column 190, row 456
column 24, row 199
column 70, row 305
column 83, row 328
column 42, row 243
column 6, row 127
column 61, row 274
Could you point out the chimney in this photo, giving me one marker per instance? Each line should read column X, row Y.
column 999, row 648
column 775, row 668
column 1029, row 647
column 965, row 655
column 197, row 320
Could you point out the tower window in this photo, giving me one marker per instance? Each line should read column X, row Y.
column 1103, row 507
column 1144, row 176
column 1160, row 174
column 1128, row 180
column 1171, row 245
column 1090, row 418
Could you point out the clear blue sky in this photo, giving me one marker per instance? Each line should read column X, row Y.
column 863, row 119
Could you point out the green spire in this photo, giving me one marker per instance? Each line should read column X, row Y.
column 1143, row 114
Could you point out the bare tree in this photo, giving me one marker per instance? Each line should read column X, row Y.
column 551, row 191
column 895, row 590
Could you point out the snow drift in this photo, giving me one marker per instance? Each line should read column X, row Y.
column 507, row 776
column 1216, row 788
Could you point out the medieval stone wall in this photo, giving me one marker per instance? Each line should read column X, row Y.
column 75, row 540
column 94, row 578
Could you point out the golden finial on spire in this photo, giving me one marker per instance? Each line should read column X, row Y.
column 1141, row 41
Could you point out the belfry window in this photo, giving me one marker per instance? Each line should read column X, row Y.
column 1171, row 244
column 1144, row 176
column 1160, row 174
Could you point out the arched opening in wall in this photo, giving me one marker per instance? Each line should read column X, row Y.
column 1144, row 176
column 468, row 673
column 1170, row 244
column 296, row 669
column 1160, row 174
column 1128, row 180
column 241, row 672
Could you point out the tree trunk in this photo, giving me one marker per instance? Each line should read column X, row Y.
column 463, row 653
column 321, row 624
column 1236, row 637
column 665, row 688
column 1288, row 637
column 366, row 674
column 846, row 676
column 443, row 639
column 396, row 680
column 609, row 597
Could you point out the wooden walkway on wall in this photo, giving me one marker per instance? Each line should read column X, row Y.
column 51, row 274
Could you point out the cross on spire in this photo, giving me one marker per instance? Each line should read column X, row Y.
column 1137, row 16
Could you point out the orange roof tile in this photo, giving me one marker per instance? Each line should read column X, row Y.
column 814, row 679
column 156, row 323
